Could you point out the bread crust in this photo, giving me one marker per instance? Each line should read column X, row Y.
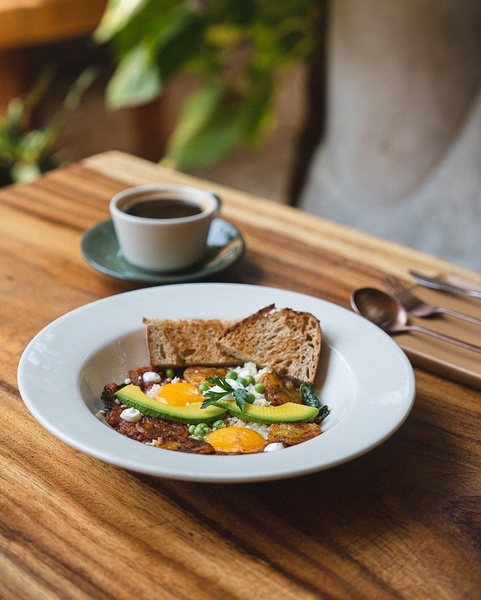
column 285, row 340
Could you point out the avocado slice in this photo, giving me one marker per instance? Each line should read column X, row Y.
column 191, row 414
column 285, row 413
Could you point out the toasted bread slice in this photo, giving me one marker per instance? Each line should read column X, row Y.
column 182, row 342
column 287, row 341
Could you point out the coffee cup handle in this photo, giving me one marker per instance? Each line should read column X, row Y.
column 219, row 203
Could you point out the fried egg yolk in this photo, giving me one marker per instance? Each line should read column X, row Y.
column 236, row 440
column 178, row 393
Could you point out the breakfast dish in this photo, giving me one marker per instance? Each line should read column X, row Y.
column 100, row 249
column 213, row 410
column 193, row 398
column 364, row 378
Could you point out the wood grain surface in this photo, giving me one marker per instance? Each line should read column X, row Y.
column 403, row 521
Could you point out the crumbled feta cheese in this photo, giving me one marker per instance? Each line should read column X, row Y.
column 153, row 390
column 260, row 399
column 132, row 415
column 249, row 368
column 273, row 447
column 151, row 377
column 261, row 428
column 263, row 372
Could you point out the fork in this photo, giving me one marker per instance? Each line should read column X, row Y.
column 416, row 306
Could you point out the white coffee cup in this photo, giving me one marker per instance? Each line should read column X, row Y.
column 163, row 227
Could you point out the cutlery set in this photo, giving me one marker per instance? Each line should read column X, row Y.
column 390, row 310
column 417, row 307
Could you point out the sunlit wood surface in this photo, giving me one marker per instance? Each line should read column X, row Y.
column 403, row 521
column 30, row 22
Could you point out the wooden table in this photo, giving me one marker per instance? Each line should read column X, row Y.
column 403, row 521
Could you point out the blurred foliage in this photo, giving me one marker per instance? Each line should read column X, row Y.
column 237, row 48
column 27, row 153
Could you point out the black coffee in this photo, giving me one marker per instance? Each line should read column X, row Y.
column 163, row 208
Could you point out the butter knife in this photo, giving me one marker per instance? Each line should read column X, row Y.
column 438, row 284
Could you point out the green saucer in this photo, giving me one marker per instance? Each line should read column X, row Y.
column 100, row 249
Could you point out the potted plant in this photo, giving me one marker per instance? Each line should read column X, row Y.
column 237, row 49
column 26, row 152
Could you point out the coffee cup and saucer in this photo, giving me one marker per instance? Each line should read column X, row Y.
column 163, row 233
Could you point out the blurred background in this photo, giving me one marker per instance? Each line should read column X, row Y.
column 95, row 128
column 366, row 112
column 36, row 35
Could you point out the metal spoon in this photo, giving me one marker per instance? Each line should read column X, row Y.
column 382, row 310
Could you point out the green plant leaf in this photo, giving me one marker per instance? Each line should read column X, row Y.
column 117, row 14
column 257, row 114
column 33, row 146
column 69, row 105
column 25, row 172
column 178, row 44
column 136, row 79
column 15, row 117
column 237, row 49
column 198, row 109
column 34, row 96
column 25, row 154
column 209, row 127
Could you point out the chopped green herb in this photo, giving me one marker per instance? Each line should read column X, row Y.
column 211, row 397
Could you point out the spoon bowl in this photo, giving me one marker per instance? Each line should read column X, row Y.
column 385, row 312
column 380, row 308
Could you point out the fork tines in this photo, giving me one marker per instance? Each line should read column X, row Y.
column 399, row 291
